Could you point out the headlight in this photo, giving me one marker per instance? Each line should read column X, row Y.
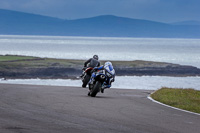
column 102, row 77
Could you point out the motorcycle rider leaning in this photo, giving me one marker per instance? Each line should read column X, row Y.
column 92, row 62
column 109, row 68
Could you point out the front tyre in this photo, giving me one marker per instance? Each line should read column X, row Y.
column 95, row 89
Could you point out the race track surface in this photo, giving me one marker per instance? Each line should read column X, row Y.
column 50, row 109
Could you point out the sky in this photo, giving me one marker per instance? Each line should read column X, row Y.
column 155, row 10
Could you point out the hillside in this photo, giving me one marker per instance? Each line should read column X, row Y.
column 19, row 23
column 187, row 23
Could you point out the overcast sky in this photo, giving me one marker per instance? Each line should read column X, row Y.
column 156, row 10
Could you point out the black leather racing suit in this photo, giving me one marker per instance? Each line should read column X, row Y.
column 92, row 63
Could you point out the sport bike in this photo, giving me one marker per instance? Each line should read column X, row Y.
column 99, row 82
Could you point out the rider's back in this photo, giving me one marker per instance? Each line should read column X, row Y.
column 93, row 63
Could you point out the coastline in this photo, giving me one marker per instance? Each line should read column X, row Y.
column 125, row 82
column 26, row 67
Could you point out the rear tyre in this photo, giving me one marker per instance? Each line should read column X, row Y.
column 85, row 81
column 95, row 89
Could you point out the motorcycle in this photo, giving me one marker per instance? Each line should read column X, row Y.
column 99, row 82
column 86, row 76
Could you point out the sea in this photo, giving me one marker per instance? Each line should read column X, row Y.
column 177, row 50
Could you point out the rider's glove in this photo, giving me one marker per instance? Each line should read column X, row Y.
column 95, row 68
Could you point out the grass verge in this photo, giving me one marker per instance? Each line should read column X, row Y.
column 187, row 99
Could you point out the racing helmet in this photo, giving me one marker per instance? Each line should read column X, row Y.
column 96, row 57
column 108, row 63
column 109, row 67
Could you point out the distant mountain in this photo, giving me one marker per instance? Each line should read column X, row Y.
column 19, row 23
column 187, row 23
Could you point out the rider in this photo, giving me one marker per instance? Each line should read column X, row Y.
column 92, row 62
column 109, row 68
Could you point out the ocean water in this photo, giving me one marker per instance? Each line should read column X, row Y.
column 179, row 51
column 122, row 82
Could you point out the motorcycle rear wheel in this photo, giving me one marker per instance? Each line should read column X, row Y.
column 95, row 89
column 85, row 81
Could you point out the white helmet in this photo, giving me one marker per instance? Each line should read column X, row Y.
column 108, row 63
column 109, row 67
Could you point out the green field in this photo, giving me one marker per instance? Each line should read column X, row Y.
column 15, row 58
column 12, row 61
column 28, row 61
column 12, row 66
column 187, row 99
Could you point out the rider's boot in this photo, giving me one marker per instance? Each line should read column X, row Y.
column 102, row 90
column 82, row 74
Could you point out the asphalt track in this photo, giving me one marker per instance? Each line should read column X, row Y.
column 50, row 109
